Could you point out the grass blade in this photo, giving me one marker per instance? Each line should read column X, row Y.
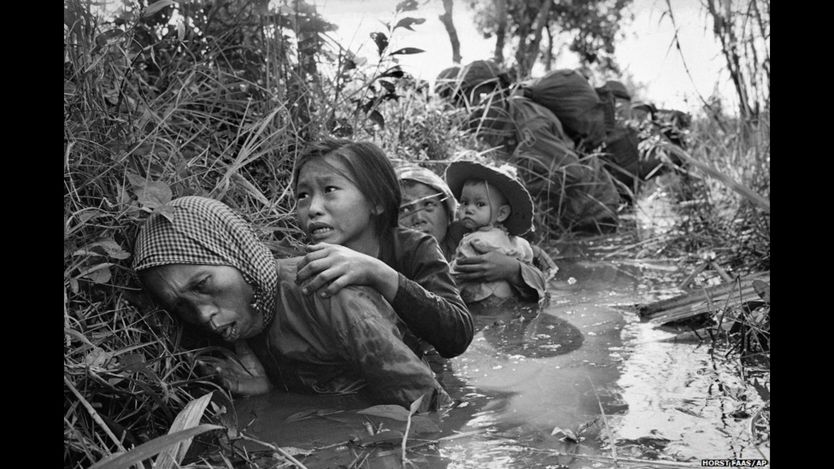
column 152, row 448
column 188, row 417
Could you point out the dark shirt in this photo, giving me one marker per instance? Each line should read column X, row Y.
column 427, row 299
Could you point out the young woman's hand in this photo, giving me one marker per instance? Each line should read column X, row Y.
column 489, row 267
column 245, row 376
column 327, row 268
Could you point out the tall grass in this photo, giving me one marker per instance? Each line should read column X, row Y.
column 715, row 219
column 216, row 107
column 147, row 120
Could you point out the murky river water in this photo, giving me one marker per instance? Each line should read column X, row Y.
column 550, row 388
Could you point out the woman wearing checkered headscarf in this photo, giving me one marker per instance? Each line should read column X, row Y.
column 342, row 344
column 203, row 231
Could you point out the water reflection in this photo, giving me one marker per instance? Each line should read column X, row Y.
column 516, row 328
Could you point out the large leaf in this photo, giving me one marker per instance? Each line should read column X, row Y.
column 151, row 448
column 150, row 194
column 188, row 417
column 407, row 22
column 389, row 87
column 108, row 247
column 109, row 37
column 394, row 72
column 390, row 411
column 99, row 273
column 97, row 357
column 154, row 8
column 377, row 117
column 406, row 5
column 381, row 41
column 407, row 50
column 166, row 210
column 153, row 194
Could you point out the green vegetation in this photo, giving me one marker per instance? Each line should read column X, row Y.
column 219, row 104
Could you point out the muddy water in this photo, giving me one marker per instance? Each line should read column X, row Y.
column 549, row 388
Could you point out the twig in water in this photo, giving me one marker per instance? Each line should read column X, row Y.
column 605, row 422
column 360, row 459
column 276, row 449
column 431, row 442
column 700, row 268
column 413, row 408
column 723, row 273
column 630, row 246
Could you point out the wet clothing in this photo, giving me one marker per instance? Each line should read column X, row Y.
column 489, row 239
column 534, row 282
column 351, row 341
column 427, row 299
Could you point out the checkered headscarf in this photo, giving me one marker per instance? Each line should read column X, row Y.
column 207, row 232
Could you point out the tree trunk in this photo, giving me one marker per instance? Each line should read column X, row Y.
column 500, row 30
column 765, row 36
column 548, row 57
column 723, row 29
column 446, row 19
column 528, row 53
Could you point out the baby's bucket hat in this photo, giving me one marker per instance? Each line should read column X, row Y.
column 504, row 179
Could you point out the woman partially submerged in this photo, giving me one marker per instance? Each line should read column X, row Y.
column 363, row 300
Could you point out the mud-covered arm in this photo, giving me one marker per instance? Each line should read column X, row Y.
column 430, row 304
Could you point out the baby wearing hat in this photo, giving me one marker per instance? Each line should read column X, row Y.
column 497, row 209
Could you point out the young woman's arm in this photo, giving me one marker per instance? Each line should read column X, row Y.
column 413, row 276
column 427, row 298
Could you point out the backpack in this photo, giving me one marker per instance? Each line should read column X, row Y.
column 576, row 190
column 574, row 101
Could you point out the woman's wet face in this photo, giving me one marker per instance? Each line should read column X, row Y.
column 423, row 210
column 332, row 209
column 216, row 297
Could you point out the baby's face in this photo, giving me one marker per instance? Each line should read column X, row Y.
column 479, row 205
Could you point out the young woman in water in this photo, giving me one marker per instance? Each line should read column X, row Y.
column 348, row 204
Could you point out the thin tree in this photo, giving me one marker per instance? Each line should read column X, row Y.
column 446, row 19
column 500, row 30
column 744, row 34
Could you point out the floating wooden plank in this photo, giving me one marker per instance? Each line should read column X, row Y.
column 705, row 300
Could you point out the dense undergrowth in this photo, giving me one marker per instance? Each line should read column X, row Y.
column 218, row 103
